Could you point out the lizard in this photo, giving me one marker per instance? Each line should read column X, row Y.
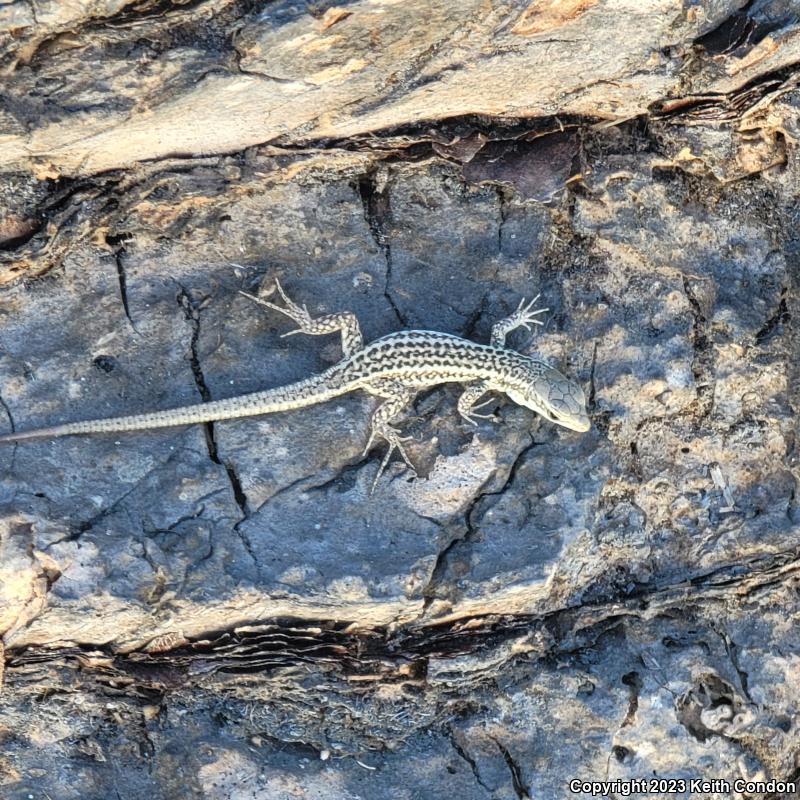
column 394, row 368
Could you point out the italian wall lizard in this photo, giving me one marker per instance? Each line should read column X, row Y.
column 395, row 368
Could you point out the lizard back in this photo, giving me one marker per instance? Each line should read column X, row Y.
column 426, row 358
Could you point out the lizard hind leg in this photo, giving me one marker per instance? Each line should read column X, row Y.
column 345, row 322
column 397, row 396
column 395, row 442
column 468, row 405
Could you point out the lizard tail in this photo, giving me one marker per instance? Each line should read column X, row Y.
column 283, row 398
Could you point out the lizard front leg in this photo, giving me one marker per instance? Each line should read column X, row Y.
column 467, row 405
column 523, row 317
column 345, row 321
column 397, row 396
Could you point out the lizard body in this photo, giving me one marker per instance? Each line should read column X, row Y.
column 394, row 367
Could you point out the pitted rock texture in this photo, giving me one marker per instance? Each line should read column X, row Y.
column 225, row 611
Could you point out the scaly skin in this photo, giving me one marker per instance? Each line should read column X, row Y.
column 394, row 367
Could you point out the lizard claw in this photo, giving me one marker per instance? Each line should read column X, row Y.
column 395, row 443
column 369, row 443
column 298, row 314
column 261, row 301
column 525, row 315
column 471, row 416
column 385, row 463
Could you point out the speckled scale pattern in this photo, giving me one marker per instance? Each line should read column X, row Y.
column 427, row 358
column 394, row 368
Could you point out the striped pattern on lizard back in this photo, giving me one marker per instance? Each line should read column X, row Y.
column 394, row 368
column 429, row 358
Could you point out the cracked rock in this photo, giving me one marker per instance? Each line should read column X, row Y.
column 228, row 610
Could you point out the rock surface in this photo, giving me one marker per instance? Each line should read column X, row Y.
column 226, row 612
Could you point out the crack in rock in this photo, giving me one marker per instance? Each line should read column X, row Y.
column 112, row 508
column 8, row 413
column 520, row 789
column 122, row 279
column 13, row 427
column 462, row 752
column 502, row 201
column 778, row 318
column 468, row 532
column 191, row 309
column 634, row 683
column 376, row 206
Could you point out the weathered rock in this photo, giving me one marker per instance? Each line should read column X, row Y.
column 226, row 611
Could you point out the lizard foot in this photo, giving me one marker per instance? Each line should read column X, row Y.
column 395, row 442
column 470, row 416
column 295, row 312
column 344, row 322
column 525, row 315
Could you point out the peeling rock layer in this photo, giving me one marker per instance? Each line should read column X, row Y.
column 225, row 610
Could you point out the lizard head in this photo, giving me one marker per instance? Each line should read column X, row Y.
column 553, row 396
